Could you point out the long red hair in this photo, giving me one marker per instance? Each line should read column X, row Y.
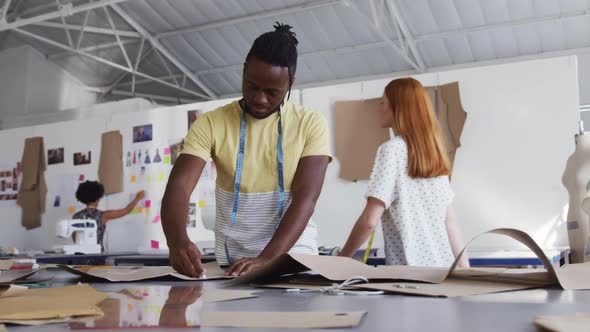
column 415, row 122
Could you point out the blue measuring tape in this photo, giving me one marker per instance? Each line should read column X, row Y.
column 238, row 177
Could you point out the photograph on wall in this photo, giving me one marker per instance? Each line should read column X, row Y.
column 8, row 183
column 193, row 116
column 55, row 156
column 142, row 133
column 191, row 220
column 157, row 157
column 82, row 158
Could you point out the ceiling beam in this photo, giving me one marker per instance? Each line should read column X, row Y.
column 82, row 29
column 239, row 66
column 66, row 10
column 250, row 17
column 4, row 10
column 93, row 48
column 159, row 47
column 235, row 20
column 370, row 23
column 107, row 62
column 169, row 99
column 411, row 42
column 97, row 30
column 507, row 24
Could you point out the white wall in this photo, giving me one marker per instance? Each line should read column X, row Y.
column 584, row 77
column 33, row 85
column 79, row 135
column 518, row 135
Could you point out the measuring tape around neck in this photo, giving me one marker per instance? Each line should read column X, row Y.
column 238, row 177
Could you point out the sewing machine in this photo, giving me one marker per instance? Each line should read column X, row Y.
column 86, row 236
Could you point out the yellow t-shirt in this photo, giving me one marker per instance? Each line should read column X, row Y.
column 216, row 135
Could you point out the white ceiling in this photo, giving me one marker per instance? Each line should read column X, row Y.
column 190, row 50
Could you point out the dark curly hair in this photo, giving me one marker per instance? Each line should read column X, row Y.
column 89, row 192
column 277, row 48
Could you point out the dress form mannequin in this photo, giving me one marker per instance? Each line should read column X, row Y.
column 586, row 208
column 575, row 179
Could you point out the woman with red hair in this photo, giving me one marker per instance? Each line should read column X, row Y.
column 409, row 189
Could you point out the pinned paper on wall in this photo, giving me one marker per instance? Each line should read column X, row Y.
column 155, row 244
column 147, row 211
column 166, row 159
column 166, row 151
column 67, row 186
column 139, row 209
column 133, row 179
column 156, row 220
column 81, row 177
column 148, row 203
column 71, row 210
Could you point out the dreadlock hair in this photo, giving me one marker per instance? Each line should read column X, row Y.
column 89, row 192
column 278, row 48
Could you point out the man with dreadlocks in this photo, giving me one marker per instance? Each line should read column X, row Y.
column 271, row 157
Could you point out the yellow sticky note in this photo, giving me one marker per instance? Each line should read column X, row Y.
column 129, row 306
column 166, row 159
column 140, row 209
column 71, row 210
column 133, row 179
column 201, row 204
column 162, row 176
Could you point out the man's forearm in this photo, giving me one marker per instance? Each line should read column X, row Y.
column 174, row 214
column 290, row 229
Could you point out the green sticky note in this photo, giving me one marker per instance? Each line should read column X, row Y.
column 134, row 211
column 162, row 176
column 166, row 159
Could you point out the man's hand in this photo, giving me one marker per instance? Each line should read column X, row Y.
column 244, row 266
column 186, row 259
column 179, row 295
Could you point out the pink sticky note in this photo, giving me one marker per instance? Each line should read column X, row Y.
column 155, row 244
column 81, row 178
column 166, row 151
column 148, row 203
column 156, row 219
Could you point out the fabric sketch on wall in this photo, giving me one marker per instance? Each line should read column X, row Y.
column 446, row 103
column 110, row 167
column 33, row 189
column 357, row 135
column 157, row 158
